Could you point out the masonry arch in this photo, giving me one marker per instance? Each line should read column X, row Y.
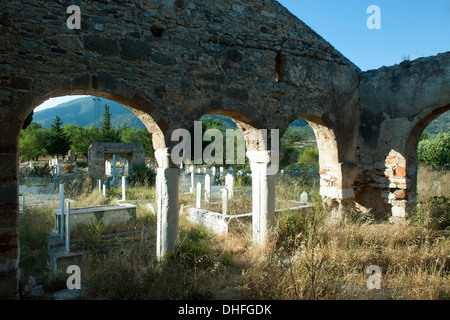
column 330, row 168
column 10, row 162
column 401, row 167
column 412, row 146
column 137, row 106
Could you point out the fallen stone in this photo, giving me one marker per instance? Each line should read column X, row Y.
column 68, row 294
column 37, row 291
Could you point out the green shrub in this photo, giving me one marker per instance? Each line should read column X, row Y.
column 41, row 171
column 435, row 151
column 142, row 176
column 309, row 158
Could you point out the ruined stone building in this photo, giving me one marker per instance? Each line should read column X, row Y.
column 172, row 61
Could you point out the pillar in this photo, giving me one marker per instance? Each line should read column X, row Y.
column 9, row 211
column 167, row 180
column 263, row 195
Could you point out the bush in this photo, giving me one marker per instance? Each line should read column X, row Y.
column 142, row 176
column 434, row 213
column 435, row 151
column 309, row 158
column 41, row 171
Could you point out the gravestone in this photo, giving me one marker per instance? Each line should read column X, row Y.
column 304, row 197
column 207, row 188
column 71, row 156
column 191, row 189
column 198, row 202
column 224, row 201
column 229, row 184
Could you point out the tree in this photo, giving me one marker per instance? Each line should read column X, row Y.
column 81, row 138
column 309, row 158
column 32, row 142
column 58, row 142
column 107, row 132
column 138, row 135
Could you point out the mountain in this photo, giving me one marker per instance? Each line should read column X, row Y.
column 88, row 112
column 440, row 124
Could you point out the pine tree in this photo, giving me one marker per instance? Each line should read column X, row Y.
column 107, row 132
column 58, row 142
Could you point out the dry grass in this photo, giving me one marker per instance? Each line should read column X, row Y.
column 307, row 259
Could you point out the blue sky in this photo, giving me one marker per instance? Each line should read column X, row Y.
column 418, row 28
column 414, row 28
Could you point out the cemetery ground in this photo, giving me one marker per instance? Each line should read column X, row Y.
column 307, row 259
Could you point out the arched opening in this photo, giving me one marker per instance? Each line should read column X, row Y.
column 428, row 164
column 218, row 146
column 310, row 163
column 82, row 123
column 300, row 164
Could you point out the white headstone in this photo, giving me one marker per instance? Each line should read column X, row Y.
column 224, row 201
column 198, row 203
column 61, row 208
column 207, row 188
column 67, row 225
column 114, row 168
column 229, row 184
column 191, row 189
column 214, row 171
column 304, row 197
column 104, row 190
column 124, row 188
column 221, row 171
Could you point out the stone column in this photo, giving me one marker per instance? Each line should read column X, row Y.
column 167, row 180
column 263, row 195
column 9, row 210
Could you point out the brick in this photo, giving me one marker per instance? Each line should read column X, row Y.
column 163, row 125
column 400, row 172
column 144, row 102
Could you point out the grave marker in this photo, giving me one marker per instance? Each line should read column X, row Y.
column 198, row 203
column 61, row 208
column 304, row 197
column 67, row 225
column 191, row 190
column 229, row 184
column 207, row 188
column 123, row 188
column 224, row 201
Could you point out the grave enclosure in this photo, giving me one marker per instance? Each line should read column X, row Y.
column 171, row 62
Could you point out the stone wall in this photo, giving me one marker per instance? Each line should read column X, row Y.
column 397, row 103
column 98, row 152
column 172, row 61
